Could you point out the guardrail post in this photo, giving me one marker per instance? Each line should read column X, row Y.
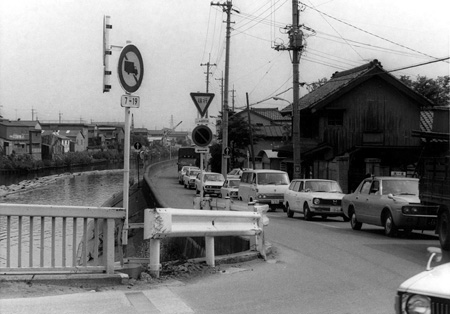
column 154, row 265
column 227, row 203
column 263, row 221
column 207, row 202
column 197, row 201
column 253, row 239
column 209, row 249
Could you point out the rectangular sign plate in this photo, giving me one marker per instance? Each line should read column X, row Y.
column 202, row 121
column 204, row 150
column 130, row 101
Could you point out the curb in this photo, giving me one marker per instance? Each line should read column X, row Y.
column 117, row 278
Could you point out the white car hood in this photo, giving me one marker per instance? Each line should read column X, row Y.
column 435, row 282
column 411, row 199
column 328, row 195
column 220, row 183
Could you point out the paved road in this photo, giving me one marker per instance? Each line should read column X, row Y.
column 317, row 267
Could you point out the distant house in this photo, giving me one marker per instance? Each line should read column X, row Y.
column 272, row 130
column 54, row 145
column 106, row 135
column 20, row 137
column 360, row 122
column 77, row 132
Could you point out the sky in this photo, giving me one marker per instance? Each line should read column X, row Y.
column 51, row 64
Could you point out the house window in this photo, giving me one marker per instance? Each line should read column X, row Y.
column 336, row 118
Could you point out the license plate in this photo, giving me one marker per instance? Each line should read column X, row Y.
column 275, row 202
column 335, row 209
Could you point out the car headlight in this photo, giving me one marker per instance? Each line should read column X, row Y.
column 316, row 201
column 417, row 304
column 410, row 210
column 262, row 196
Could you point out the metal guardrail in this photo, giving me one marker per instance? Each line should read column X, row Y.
column 51, row 226
column 162, row 223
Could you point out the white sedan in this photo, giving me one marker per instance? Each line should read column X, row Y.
column 230, row 188
column 209, row 183
column 314, row 197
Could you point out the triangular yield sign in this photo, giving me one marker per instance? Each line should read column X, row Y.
column 202, row 101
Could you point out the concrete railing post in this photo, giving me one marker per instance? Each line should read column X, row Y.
column 154, row 265
column 108, row 247
column 207, row 202
column 209, row 249
column 227, row 203
column 263, row 221
column 197, row 200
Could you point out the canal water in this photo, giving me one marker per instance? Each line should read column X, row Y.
column 91, row 188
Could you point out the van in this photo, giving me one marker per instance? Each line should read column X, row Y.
column 264, row 186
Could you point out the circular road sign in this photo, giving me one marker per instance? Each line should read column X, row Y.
column 202, row 135
column 130, row 68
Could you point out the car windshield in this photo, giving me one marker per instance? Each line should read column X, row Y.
column 234, row 183
column 273, row 178
column 323, row 186
column 234, row 172
column 194, row 172
column 400, row 187
column 213, row 177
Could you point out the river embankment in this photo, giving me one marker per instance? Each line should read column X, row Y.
column 39, row 182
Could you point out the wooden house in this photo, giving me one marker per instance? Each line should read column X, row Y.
column 20, row 137
column 360, row 122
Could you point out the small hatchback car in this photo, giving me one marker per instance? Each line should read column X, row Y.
column 209, row 183
column 427, row 292
column 391, row 202
column 314, row 197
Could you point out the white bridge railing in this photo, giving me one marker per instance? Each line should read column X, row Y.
column 162, row 223
column 37, row 238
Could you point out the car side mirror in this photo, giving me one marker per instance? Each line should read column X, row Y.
column 435, row 254
column 391, row 196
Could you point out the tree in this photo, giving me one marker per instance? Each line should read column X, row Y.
column 239, row 142
column 316, row 85
column 437, row 90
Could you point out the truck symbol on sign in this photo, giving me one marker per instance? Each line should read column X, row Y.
column 130, row 68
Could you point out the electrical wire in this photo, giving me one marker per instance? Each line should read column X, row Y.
column 367, row 32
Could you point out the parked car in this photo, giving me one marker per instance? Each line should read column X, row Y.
column 230, row 188
column 264, row 186
column 183, row 171
column 209, row 183
column 391, row 202
column 236, row 173
column 427, row 292
column 314, row 197
column 189, row 178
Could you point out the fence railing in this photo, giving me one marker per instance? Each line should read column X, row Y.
column 162, row 223
column 36, row 238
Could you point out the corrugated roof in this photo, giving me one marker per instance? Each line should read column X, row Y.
column 271, row 113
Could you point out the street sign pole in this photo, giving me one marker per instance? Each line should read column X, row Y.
column 126, row 175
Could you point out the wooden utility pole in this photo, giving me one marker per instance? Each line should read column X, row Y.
column 251, row 133
column 296, row 46
column 227, row 7
column 208, row 65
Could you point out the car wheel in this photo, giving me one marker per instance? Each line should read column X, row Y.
column 390, row 229
column 306, row 212
column 356, row 225
column 444, row 236
column 289, row 213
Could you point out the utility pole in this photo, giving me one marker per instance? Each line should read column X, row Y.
column 221, row 93
column 296, row 46
column 227, row 7
column 208, row 65
column 232, row 101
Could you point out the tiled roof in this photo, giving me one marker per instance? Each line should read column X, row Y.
column 341, row 80
column 271, row 113
column 270, row 130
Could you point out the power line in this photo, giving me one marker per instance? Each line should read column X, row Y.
column 367, row 32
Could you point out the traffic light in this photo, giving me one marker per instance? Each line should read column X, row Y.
column 106, row 53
